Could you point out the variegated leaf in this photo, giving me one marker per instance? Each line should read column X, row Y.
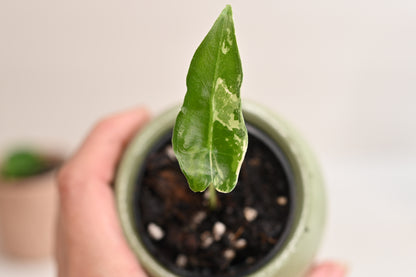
column 210, row 136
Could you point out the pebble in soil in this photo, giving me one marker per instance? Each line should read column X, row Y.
column 244, row 228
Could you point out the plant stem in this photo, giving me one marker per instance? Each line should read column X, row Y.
column 213, row 198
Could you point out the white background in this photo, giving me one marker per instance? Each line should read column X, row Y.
column 344, row 72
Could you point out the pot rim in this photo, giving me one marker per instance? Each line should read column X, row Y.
column 301, row 160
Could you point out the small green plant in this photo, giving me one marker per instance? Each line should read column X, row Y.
column 210, row 137
column 22, row 163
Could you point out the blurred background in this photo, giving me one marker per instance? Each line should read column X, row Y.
column 343, row 72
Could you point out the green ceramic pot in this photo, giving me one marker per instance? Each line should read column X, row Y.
column 297, row 252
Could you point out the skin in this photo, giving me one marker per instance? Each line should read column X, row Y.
column 90, row 241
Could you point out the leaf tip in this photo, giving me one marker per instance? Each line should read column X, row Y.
column 228, row 10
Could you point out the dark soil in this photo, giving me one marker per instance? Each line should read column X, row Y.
column 177, row 225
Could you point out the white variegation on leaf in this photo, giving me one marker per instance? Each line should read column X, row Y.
column 210, row 136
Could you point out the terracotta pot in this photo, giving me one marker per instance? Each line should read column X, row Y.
column 297, row 252
column 28, row 210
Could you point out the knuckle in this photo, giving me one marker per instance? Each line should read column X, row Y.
column 68, row 181
column 73, row 181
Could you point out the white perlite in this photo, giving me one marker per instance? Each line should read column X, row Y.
column 229, row 254
column 250, row 214
column 181, row 260
column 240, row 243
column 155, row 231
column 281, row 200
column 199, row 217
column 206, row 239
column 218, row 230
column 170, row 153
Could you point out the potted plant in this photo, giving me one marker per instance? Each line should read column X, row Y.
column 28, row 203
column 265, row 221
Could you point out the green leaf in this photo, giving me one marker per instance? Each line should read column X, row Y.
column 210, row 136
column 22, row 163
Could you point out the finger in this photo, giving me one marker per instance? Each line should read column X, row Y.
column 59, row 248
column 100, row 152
column 328, row 269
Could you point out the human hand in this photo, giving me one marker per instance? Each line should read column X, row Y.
column 90, row 241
